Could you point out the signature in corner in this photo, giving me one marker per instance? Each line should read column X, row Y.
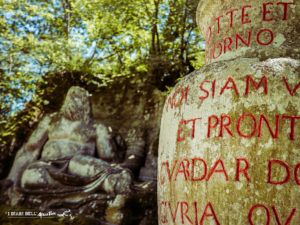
column 48, row 214
column 66, row 213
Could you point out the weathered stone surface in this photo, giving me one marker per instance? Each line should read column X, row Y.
column 106, row 147
column 229, row 140
column 59, row 159
column 72, row 161
column 77, row 105
column 29, row 151
column 232, row 200
column 149, row 171
column 134, row 110
column 262, row 29
column 113, row 211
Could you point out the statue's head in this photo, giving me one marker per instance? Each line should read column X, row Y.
column 77, row 105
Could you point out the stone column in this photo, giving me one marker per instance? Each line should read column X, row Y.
column 229, row 150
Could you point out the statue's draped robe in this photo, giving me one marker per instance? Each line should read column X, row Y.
column 58, row 164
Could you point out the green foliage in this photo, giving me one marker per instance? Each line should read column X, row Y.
column 47, row 46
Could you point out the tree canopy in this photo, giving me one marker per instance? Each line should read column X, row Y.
column 47, row 46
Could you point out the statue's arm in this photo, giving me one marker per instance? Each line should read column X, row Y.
column 30, row 151
column 39, row 135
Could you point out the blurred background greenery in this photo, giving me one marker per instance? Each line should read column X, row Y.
column 47, row 46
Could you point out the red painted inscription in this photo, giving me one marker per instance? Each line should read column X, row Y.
column 166, row 208
column 267, row 212
column 227, row 127
column 268, row 15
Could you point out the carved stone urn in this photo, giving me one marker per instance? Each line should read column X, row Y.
column 229, row 150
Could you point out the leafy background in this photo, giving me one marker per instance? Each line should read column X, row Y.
column 47, row 46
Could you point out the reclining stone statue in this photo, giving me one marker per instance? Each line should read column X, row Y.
column 66, row 159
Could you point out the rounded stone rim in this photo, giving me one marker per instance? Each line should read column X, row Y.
column 199, row 12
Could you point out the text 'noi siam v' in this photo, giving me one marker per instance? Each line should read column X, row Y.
column 229, row 148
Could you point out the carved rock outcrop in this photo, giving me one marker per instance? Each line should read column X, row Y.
column 71, row 161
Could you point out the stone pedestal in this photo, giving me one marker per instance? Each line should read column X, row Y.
column 229, row 150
